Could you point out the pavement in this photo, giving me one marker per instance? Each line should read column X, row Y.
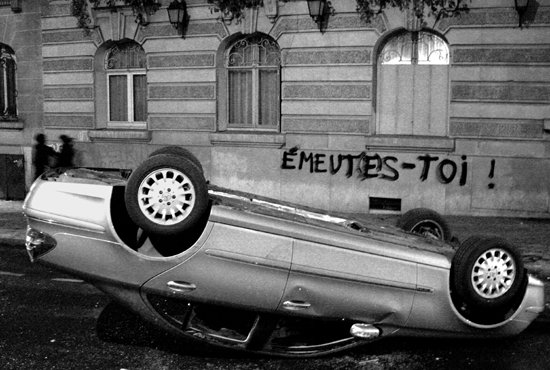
column 13, row 225
column 531, row 236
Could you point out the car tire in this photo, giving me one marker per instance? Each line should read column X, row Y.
column 424, row 221
column 177, row 150
column 171, row 206
column 488, row 274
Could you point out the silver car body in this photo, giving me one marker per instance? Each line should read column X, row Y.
column 261, row 255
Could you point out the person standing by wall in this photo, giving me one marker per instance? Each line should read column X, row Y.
column 42, row 155
column 66, row 155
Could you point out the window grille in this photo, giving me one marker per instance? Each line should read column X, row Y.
column 415, row 48
column 125, row 56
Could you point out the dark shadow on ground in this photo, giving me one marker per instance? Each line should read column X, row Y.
column 116, row 324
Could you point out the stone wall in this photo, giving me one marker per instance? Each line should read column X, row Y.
column 490, row 158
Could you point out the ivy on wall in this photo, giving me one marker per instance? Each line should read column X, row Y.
column 420, row 8
column 79, row 10
column 140, row 8
column 234, row 7
column 368, row 9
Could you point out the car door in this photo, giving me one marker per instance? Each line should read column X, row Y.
column 349, row 282
column 236, row 266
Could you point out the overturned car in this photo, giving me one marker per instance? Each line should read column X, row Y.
column 249, row 273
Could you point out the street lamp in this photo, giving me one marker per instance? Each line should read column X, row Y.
column 177, row 14
column 521, row 8
column 318, row 11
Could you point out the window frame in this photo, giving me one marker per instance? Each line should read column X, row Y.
column 129, row 73
column 255, row 68
column 8, row 98
column 131, row 122
column 412, row 127
column 416, row 39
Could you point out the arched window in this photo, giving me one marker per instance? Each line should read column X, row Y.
column 8, row 106
column 413, row 85
column 125, row 65
column 253, row 79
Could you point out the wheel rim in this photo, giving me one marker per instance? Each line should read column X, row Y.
column 493, row 273
column 430, row 229
column 166, row 196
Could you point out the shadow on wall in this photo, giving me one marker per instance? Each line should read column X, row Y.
column 111, row 155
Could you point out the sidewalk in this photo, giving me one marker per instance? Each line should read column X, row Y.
column 531, row 236
column 13, row 225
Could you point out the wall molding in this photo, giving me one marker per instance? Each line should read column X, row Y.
column 496, row 128
column 396, row 143
column 125, row 136
column 241, row 139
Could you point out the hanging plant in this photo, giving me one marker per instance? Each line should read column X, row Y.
column 233, row 7
column 79, row 9
column 438, row 8
column 368, row 9
column 140, row 8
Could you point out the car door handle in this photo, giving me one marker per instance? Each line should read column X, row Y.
column 296, row 305
column 181, row 286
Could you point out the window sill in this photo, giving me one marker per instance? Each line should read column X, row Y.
column 242, row 139
column 126, row 125
column 11, row 125
column 397, row 143
column 109, row 135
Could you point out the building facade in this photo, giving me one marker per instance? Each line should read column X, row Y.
column 20, row 94
column 378, row 117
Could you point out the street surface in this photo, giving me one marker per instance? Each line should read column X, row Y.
column 50, row 320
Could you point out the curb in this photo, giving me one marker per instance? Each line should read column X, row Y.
column 540, row 272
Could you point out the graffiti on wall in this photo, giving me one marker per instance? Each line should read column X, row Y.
column 375, row 166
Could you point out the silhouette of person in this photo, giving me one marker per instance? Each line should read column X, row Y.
column 42, row 154
column 66, row 155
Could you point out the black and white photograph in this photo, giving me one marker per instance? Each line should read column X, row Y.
column 274, row 184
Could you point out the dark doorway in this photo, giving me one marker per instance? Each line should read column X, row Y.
column 12, row 177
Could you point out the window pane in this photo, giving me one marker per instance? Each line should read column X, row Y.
column 269, row 97
column 240, row 97
column 118, row 98
column 7, row 82
column 10, row 87
column 140, row 98
column 3, row 82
